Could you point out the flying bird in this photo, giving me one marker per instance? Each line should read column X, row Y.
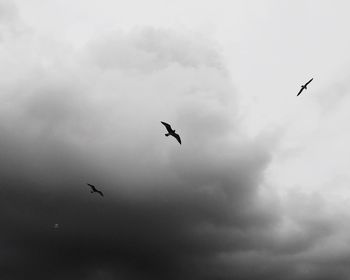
column 171, row 132
column 304, row 86
column 93, row 189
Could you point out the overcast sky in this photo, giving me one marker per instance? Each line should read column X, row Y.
column 259, row 188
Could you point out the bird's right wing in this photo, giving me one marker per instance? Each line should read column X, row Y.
column 100, row 193
column 91, row 186
column 167, row 126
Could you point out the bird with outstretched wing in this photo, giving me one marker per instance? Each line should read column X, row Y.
column 171, row 132
column 304, row 86
column 93, row 189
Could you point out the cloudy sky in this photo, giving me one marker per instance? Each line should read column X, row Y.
column 259, row 189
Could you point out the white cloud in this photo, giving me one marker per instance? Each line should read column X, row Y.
column 87, row 106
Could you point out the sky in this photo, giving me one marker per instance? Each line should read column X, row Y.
column 257, row 190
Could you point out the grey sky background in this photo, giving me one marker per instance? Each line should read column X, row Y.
column 259, row 188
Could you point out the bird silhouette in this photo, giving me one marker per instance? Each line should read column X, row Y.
column 93, row 189
column 304, row 86
column 171, row 132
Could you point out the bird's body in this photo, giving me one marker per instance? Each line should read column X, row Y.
column 171, row 132
column 304, row 86
column 93, row 189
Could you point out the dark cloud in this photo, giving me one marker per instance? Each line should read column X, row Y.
column 194, row 211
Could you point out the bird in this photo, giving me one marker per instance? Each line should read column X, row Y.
column 93, row 189
column 304, row 86
column 171, row 132
column 56, row 226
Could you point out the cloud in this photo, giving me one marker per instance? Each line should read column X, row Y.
column 196, row 211
column 8, row 11
column 166, row 207
column 150, row 49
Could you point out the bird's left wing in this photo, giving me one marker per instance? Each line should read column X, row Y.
column 300, row 91
column 309, row 82
column 100, row 193
column 177, row 136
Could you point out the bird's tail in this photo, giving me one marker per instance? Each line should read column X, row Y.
column 167, row 134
